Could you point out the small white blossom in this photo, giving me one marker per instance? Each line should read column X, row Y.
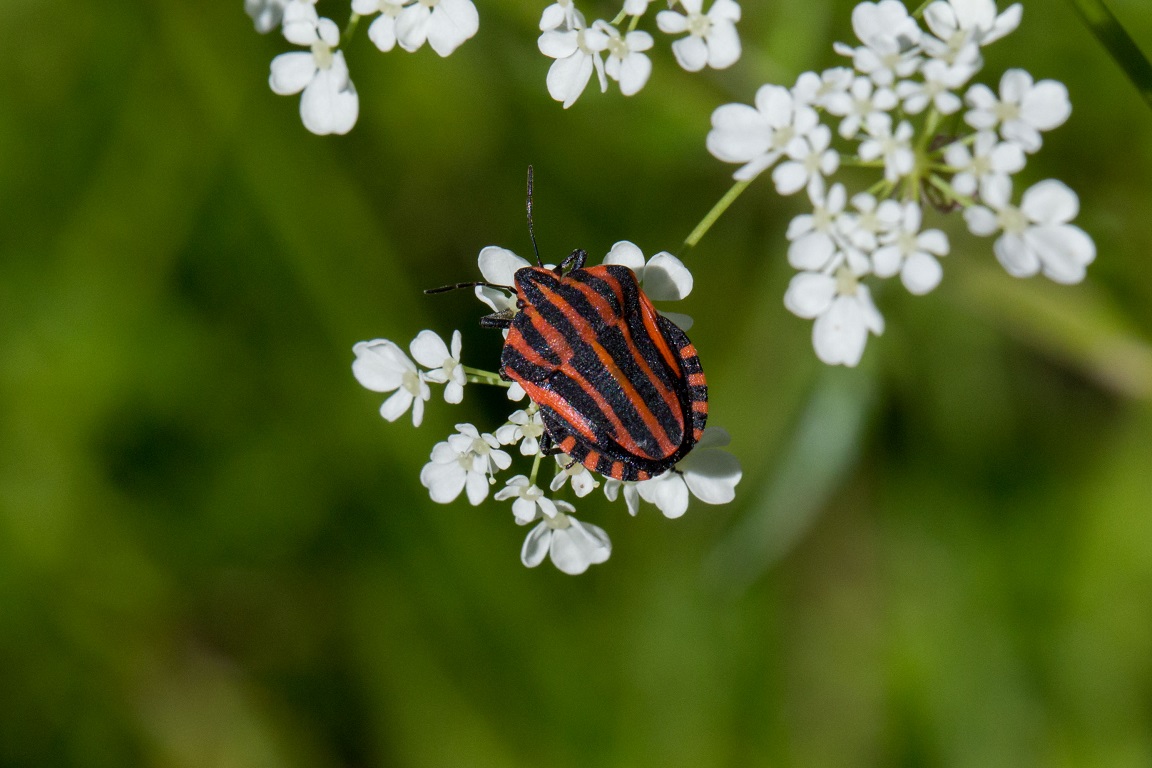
column 857, row 104
column 712, row 40
column 872, row 219
column 626, row 64
column 988, row 158
column 708, row 472
column 810, row 160
column 530, row 501
column 577, row 52
column 911, row 252
column 759, row 136
column 814, row 236
column 844, row 313
column 329, row 103
column 583, row 482
column 1022, row 111
column 572, row 545
column 895, row 148
column 382, row 31
column 940, row 81
column 381, row 366
column 816, row 89
column 443, row 24
column 890, row 38
column 431, row 352
column 466, row 461
column 958, row 24
column 523, row 428
column 1036, row 237
column 266, row 14
column 499, row 266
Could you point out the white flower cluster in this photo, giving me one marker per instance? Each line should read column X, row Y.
column 579, row 49
column 469, row 460
column 329, row 103
column 900, row 105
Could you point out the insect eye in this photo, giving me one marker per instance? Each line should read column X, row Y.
column 519, row 303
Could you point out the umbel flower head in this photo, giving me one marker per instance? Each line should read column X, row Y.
column 579, row 49
column 470, row 461
column 906, row 110
column 329, row 103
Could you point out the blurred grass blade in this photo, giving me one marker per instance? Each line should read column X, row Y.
column 1082, row 327
column 823, row 450
column 1118, row 43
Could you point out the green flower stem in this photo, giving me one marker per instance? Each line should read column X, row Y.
column 714, row 214
column 478, row 376
column 1118, row 43
column 948, row 191
column 920, row 10
column 535, row 468
column 880, row 189
column 852, row 161
column 353, row 22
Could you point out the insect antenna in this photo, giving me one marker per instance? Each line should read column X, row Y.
column 454, row 286
column 531, row 232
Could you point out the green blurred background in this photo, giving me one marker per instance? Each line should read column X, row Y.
column 213, row 552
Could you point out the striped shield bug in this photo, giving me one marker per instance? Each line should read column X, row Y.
column 619, row 387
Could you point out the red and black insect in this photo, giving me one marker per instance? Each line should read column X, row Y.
column 619, row 387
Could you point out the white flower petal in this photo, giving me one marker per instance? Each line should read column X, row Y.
column 578, row 546
column 380, row 365
column 557, row 44
column 671, row 23
column 921, row 273
column 329, row 103
column 668, row 492
column 666, row 278
column 412, row 26
column 810, row 294
column 839, row 335
column 443, row 481
column 499, row 265
column 1050, row 202
column 1064, row 251
column 723, row 45
column 476, row 486
column 634, row 73
column 691, row 53
column 535, row 547
column 626, row 254
column 429, row 349
column 739, row 133
column 1046, row 105
column 291, row 72
column 1015, row 256
column 452, row 22
column 713, row 475
column 568, row 77
column 382, row 32
column 395, row 406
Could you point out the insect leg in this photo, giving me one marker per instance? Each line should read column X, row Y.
column 574, row 260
